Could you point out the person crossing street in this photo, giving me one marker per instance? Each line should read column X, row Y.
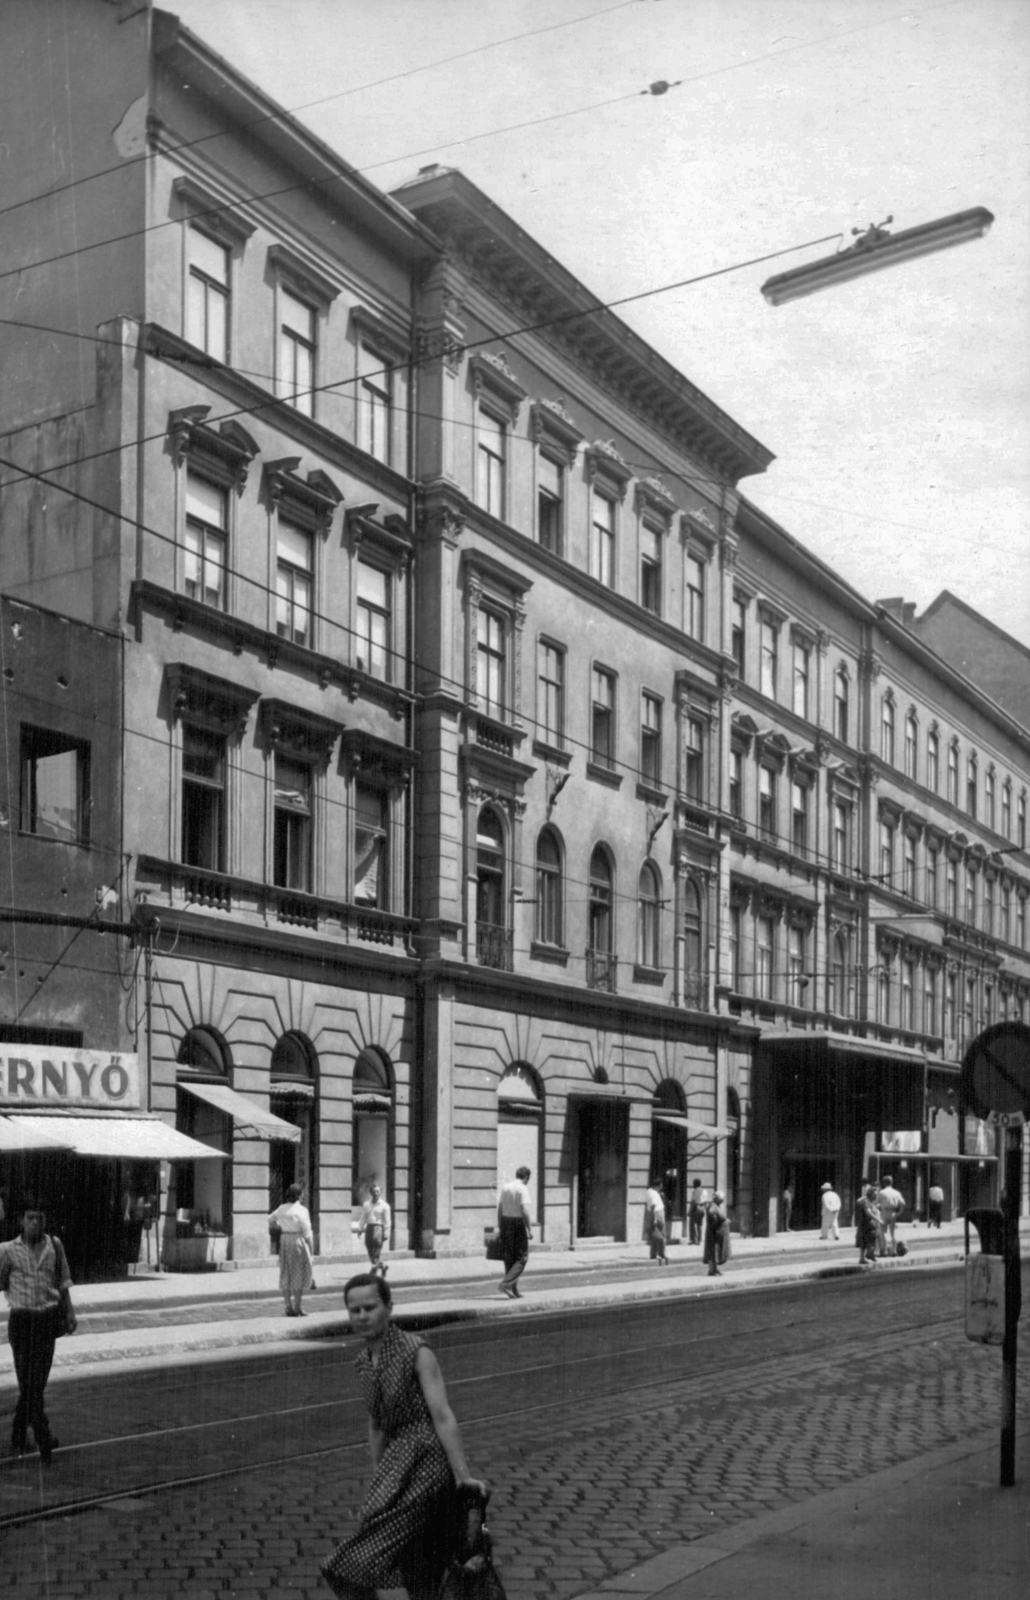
column 34, row 1275
column 514, row 1224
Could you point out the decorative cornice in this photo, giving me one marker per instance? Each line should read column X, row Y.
column 604, row 464
column 315, row 500
column 303, row 273
column 296, row 731
column 199, row 695
column 492, row 375
column 394, row 342
column 652, row 495
column 229, row 448
column 551, row 425
column 218, row 213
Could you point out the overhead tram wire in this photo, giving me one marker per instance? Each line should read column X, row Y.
column 308, row 105
column 337, row 384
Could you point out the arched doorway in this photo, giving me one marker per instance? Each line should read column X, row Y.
column 373, row 1102
column 203, row 1189
column 669, row 1136
column 294, row 1097
column 520, row 1130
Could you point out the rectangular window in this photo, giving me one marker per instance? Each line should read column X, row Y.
column 971, row 787
column 651, row 570
column 651, row 740
column 491, row 647
column 491, row 461
column 296, row 353
column 988, row 922
column 908, row 979
column 908, row 877
column 207, row 533
column 375, row 404
column 736, row 783
column 802, row 665
column 602, row 539
column 602, row 718
column 933, row 759
column 841, row 836
column 694, row 761
column 951, row 890
column 1005, row 931
column 373, row 617
column 203, row 799
column 886, row 854
column 548, row 892
column 551, row 706
column 953, row 774
column 293, row 579
column 840, row 704
column 764, row 934
column 55, row 797
column 767, row 802
column 291, row 845
column 970, row 900
column 929, row 1000
column 887, row 731
column 738, row 636
column 1021, row 822
column 1006, row 809
column 1021, row 921
column 735, row 932
column 769, row 646
column 550, row 504
column 796, row 979
column 883, row 996
column 799, row 818
column 911, row 746
column 695, row 618
column 932, row 863
column 950, row 1006
column 989, row 799
column 371, row 832
column 207, row 304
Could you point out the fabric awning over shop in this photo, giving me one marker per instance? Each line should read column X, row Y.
column 251, row 1120
column 14, row 1137
column 132, row 1138
column 696, row 1130
column 846, row 1044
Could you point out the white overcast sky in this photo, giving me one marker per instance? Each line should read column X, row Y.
column 897, row 406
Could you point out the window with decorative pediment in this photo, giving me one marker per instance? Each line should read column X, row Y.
column 933, row 760
column 696, row 582
column 495, row 616
column 911, row 745
column 380, row 352
column 298, row 745
column 953, row 772
column 557, row 441
column 887, row 729
column 608, row 476
column 1006, row 808
column 989, row 789
column 209, row 717
column 303, row 511
column 499, row 396
column 841, row 703
column 655, row 511
column 971, row 783
column 213, row 464
column 214, row 235
column 379, row 773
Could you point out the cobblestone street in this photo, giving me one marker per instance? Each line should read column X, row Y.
column 583, row 1488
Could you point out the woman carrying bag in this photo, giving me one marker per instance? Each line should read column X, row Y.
column 416, row 1515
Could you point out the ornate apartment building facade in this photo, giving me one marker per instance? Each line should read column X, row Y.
column 499, row 786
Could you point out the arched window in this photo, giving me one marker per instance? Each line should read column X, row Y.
column 841, row 696
column 648, row 914
column 549, row 897
column 600, row 960
column 520, row 1130
column 293, row 1098
column 493, row 945
column 203, row 1189
column 694, row 975
column 372, row 1099
column 887, row 730
column 670, row 1146
column 911, row 745
column 732, row 1148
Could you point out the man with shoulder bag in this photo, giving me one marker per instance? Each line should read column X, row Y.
column 34, row 1275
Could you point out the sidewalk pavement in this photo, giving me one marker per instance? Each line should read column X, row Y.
column 163, row 1316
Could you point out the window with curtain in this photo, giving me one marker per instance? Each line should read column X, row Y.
column 371, row 836
column 292, row 825
column 549, row 889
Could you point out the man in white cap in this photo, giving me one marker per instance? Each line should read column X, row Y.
column 831, row 1211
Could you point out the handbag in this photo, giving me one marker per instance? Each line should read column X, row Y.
column 494, row 1252
column 65, row 1321
column 470, row 1573
column 275, row 1234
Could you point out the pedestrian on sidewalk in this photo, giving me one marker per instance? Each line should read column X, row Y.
column 296, row 1246
column 935, row 1197
column 867, row 1226
column 830, row 1212
column 654, row 1223
column 376, row 1222
column 787, row 1208
column 890, row 1204
column 35, row 1278
column 696, row 1207
column 514, row 1225
column 717, row 1235
column 410, row 1514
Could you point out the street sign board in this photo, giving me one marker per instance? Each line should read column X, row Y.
column 1007, row 1119
column 996, row 1071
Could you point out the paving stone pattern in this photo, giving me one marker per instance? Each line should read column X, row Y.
column 581, row 1493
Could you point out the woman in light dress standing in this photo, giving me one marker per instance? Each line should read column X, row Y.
column 296, row 1245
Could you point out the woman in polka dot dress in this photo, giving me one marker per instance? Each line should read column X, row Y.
column 410, row 1513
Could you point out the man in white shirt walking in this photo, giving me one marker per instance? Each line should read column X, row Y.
column 515, row 1227
column 34, row 1276
column 830, row 1212
column 891, row 1204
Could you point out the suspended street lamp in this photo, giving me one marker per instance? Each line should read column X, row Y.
column 874, row 250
